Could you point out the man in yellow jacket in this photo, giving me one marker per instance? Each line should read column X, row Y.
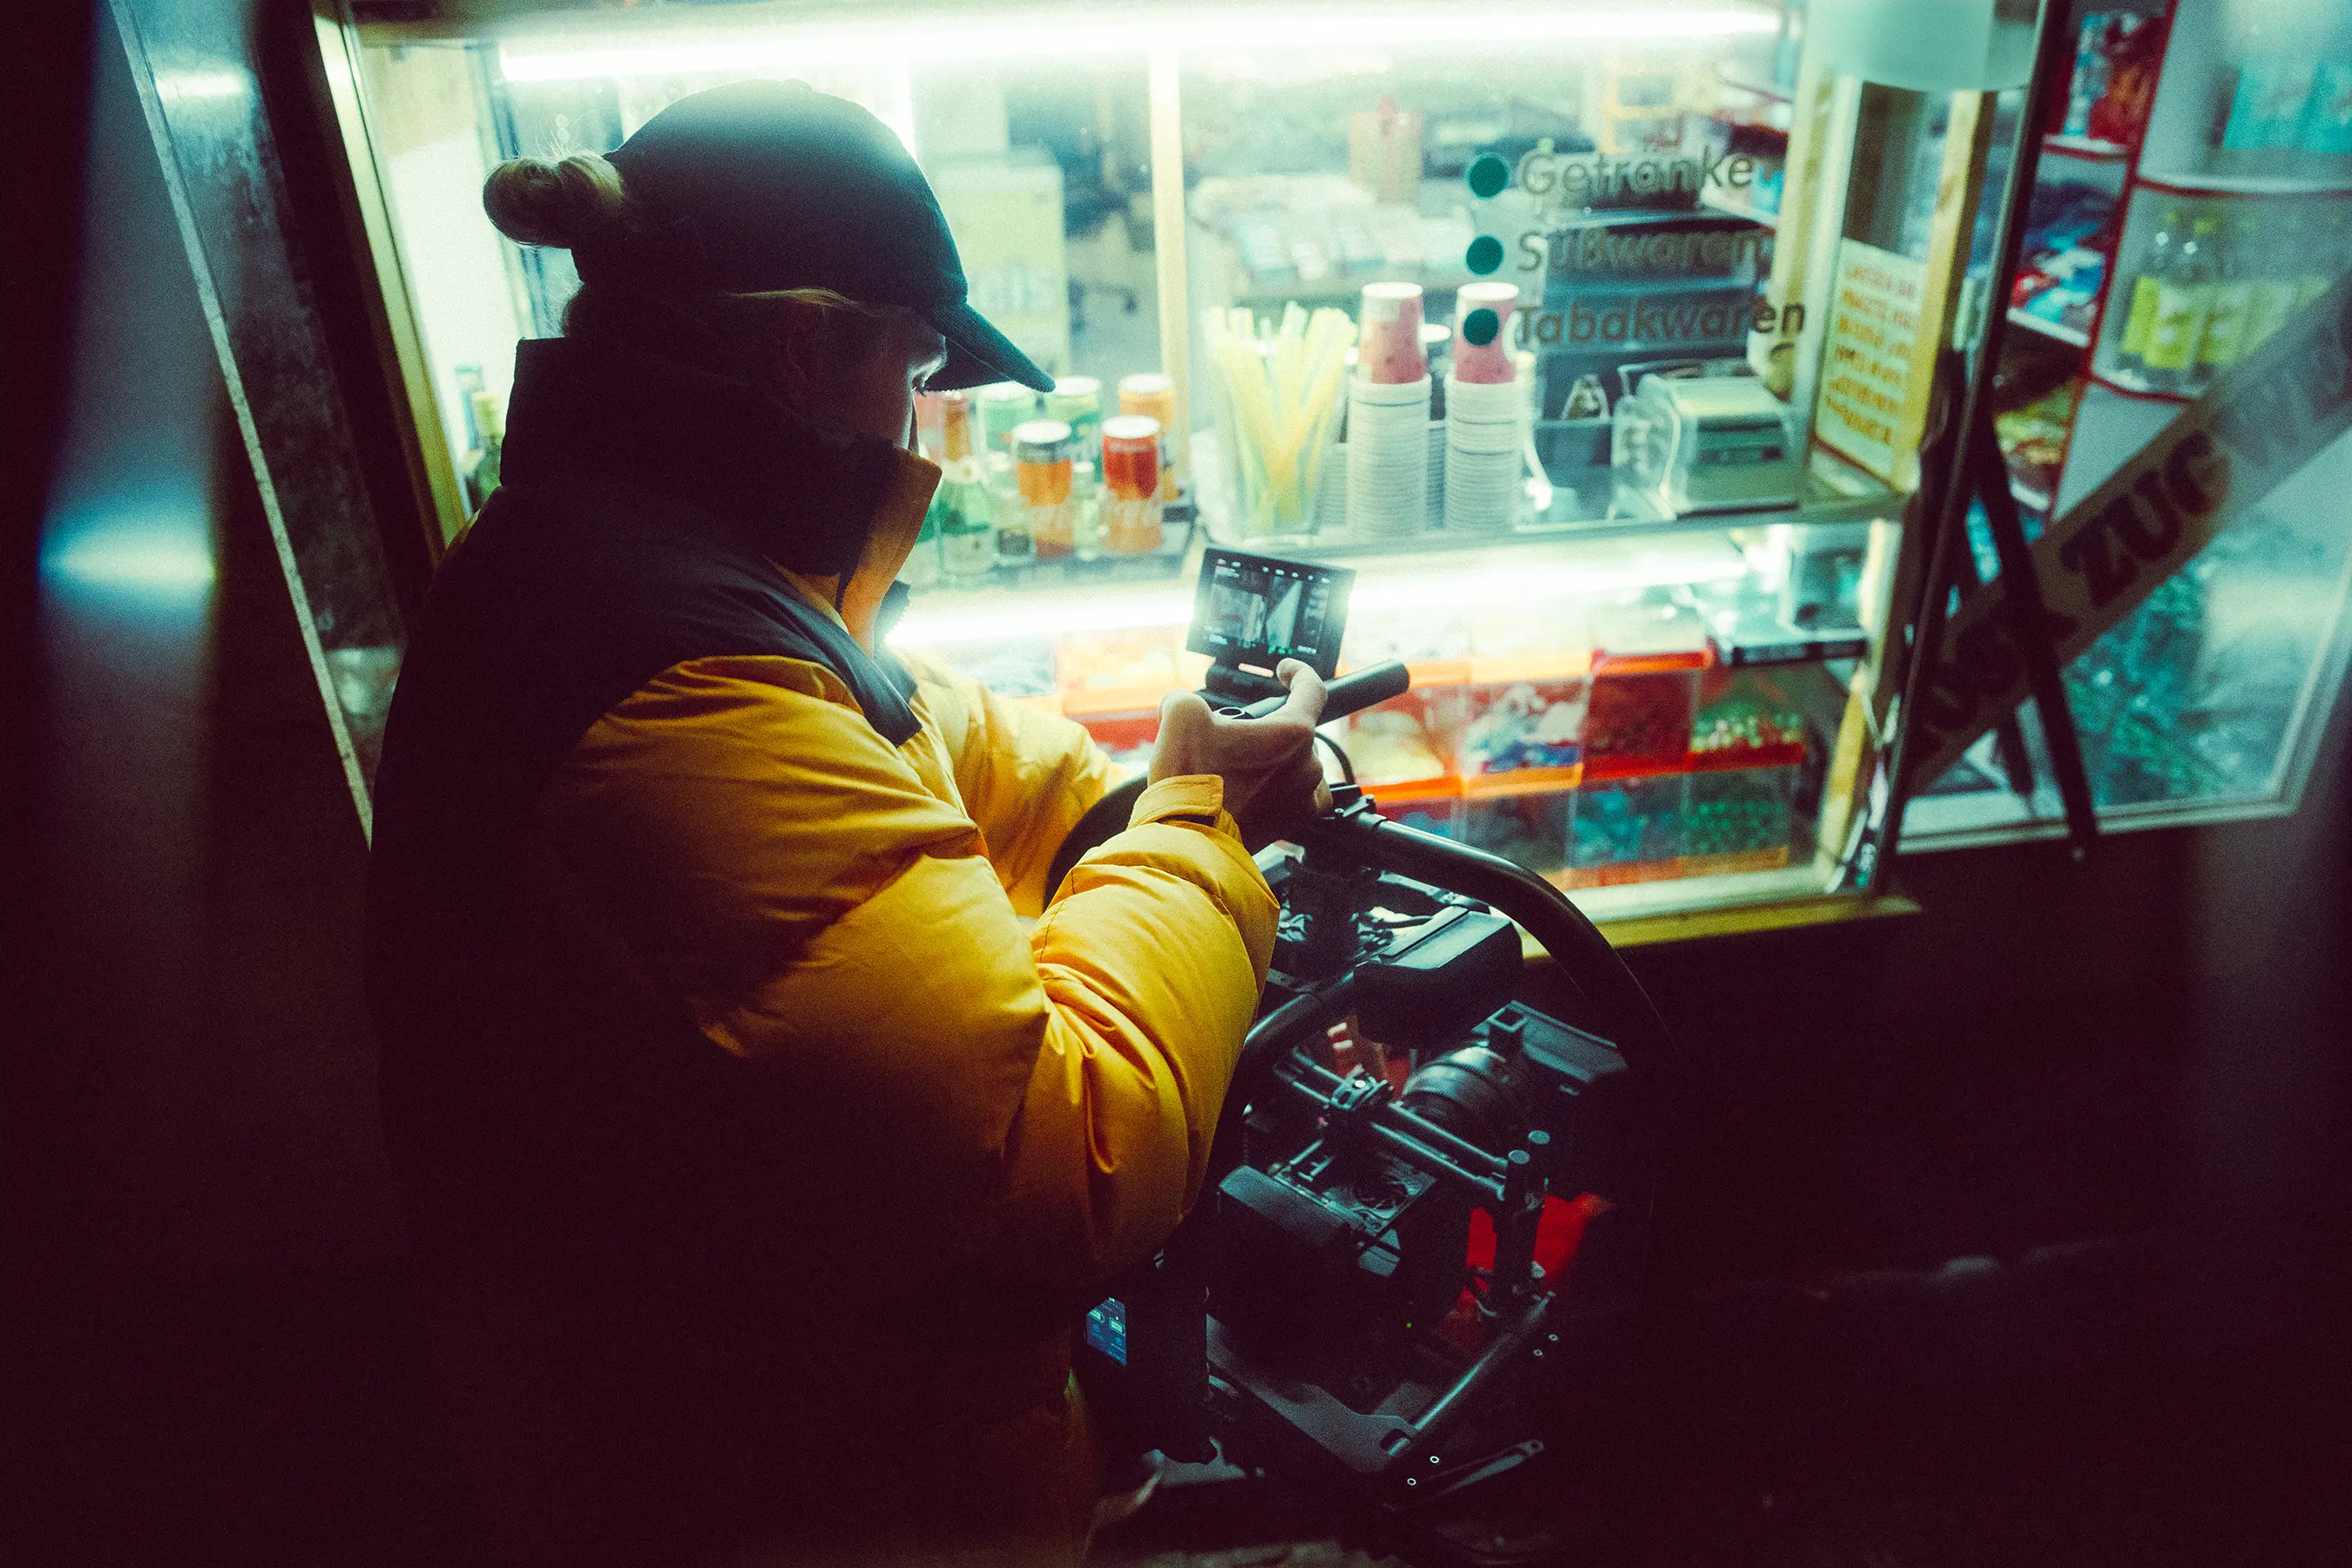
column 758, row 1151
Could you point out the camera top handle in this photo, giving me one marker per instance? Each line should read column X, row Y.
column 1355, row 834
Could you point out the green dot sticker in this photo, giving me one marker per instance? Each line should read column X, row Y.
column 1486, row 254
column 1487, row 175
column 1480, row 326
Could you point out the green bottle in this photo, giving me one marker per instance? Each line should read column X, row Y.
column 967, row 538
column 482, row 465
column 2184, row 299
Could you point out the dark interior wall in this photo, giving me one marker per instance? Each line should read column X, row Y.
column 2154, row 1040
column 219, row 1367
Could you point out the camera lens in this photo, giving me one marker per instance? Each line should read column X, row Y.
column 1473, row 1095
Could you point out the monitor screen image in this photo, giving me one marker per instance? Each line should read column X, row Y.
column 1258, row 610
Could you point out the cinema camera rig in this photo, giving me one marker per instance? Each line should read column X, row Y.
column 1357, row 1303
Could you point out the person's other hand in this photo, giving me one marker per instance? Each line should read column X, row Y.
column 1273, row 781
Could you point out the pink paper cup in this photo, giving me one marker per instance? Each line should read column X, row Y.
column 1484, row 310
column 1387, row 342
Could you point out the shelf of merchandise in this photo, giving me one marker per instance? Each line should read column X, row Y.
column 1630, row 514
column 1613, row 555
column 2201, row 186
column 2090, row 148
column 2120, row 383
column 1731, row 208
column 1775, row 94
column 2050, row 328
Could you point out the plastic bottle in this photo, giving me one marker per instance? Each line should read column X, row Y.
column 2131, row 349
column 2270, row 299
column 2184, row 297
column 2223, row 341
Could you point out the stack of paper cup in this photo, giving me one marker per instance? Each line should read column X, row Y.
column 1388, row 340
column 1331, row 492
column 1484, row 432
column 1436, row 501
column 1482, row 329
column 1388, row 455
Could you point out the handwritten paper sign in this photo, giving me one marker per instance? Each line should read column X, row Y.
column 1870, row 360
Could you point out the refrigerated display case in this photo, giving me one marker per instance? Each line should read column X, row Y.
column 2194, row 200
column 1500, row 307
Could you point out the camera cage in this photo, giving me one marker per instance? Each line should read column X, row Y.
column 1293, row 1322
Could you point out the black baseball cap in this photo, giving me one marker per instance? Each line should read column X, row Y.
column 760, row 186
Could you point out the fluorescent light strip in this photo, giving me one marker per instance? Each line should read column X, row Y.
column 1048, row 614
column 1053, row 612
column 1033, row 36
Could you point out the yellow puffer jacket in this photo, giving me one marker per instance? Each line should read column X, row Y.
column 850, row 916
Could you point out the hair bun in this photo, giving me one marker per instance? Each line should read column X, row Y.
column 564, row 202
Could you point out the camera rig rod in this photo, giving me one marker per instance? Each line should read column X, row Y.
column 1404, row 1143
column 1416, row 1137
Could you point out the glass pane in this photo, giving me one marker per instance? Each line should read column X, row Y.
column 2195, row 197
column 1571, row 440
column 1041, row 165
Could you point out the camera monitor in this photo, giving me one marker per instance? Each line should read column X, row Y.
column 1257, row 610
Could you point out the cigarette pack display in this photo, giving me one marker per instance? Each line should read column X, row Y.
column 1435, row 806
column 1627, row 831
column 1526, row 726
column 1532, row 829
column 1739, row 820
column 1745, row 719
column 1640, row 716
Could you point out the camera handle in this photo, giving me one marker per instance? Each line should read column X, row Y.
column 1253, row 696
column 1354, row 834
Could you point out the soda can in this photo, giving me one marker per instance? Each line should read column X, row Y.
column 1077, row 400
column 1043, row 451
column 1001, row 406
column 1131, row 472
column 1154, row 394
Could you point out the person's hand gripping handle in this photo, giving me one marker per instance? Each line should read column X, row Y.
column 1273, row 780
